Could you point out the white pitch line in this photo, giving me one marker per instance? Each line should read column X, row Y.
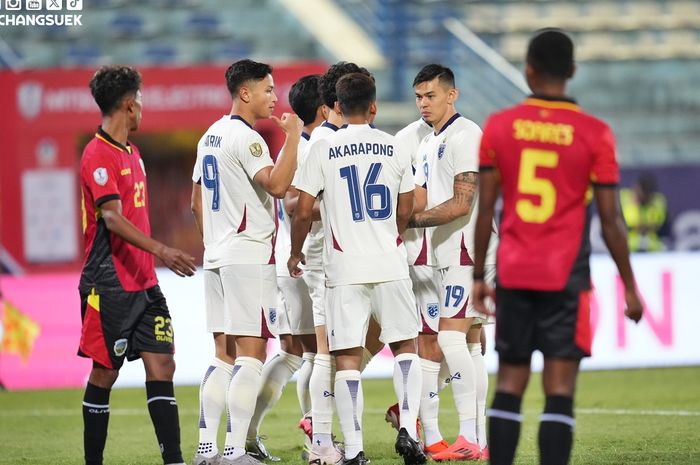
column 661, row 413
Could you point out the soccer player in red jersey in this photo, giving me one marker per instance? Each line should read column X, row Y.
column 124, row 313
column 544, row 154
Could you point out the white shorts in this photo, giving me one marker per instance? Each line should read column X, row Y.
column 242, row 300
column 316, row 282
column 455, row 285
column 295, row 307
column 426, row 287
column 349, row 307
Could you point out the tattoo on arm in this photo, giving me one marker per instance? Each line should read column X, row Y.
column 466, row 185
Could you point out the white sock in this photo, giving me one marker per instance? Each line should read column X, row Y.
column 366, row 358
column 275, row 375
column 454, row 346
column 430, row 402
column 349, row 403
column 407, row 386
column 444, row 377
column 482, row 388
column 321, row 399
column 307, row 366
column 212, row 402
column 241, row 395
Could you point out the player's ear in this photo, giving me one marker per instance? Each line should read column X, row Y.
column 452, row 95
column 244, row 94
column 325, row 111
column 336, row 108
column 373, row 108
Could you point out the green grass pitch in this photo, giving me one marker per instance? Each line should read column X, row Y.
column 623, row 417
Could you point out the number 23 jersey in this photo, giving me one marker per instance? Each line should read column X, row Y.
column 358, row 174
column 547, row 154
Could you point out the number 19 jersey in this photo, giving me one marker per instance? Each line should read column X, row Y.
column 238, row 214
column 359, row 172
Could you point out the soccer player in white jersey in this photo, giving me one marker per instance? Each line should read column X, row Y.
column 238, row 180
column 367, row 187
column 426, row 285
column 296, row 324
column 450, row 173
column 317, row 424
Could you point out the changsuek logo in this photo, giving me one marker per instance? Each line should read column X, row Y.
column 40, row 13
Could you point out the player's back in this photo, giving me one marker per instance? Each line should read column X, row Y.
column 363, row 174
column 547, row 154
column 238, row 214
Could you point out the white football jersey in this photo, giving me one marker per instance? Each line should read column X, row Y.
column 238, row 215
column 361, row 171
column 313, row 246
column 417, row 240
column 283, row 243
column 454, row 150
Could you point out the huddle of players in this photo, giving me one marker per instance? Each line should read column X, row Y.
column 354, row 189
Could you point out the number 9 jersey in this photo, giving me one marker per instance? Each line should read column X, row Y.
column 358, row 172
column 547, row 153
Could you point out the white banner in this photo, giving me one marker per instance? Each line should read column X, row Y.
column 666, row 336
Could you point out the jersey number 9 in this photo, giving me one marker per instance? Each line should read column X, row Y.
column 210, row 179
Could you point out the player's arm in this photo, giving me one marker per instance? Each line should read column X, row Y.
column 489, row 186
column 290, row 204
column 301, row 221
column 420, row 199
column 178, row 261
column 404, row 210
column 277, row 179
column 196, row 206
column 615, row 237
column 465, row 187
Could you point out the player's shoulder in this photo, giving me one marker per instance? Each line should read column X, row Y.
column 459, row 127
column 323, row 130
column 419, row 128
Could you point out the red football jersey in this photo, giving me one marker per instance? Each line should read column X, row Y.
column 108, row 171
column 547, row 153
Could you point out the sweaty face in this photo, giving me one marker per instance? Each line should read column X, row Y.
column 432, row 99
column 262, row 96
column 135, row 112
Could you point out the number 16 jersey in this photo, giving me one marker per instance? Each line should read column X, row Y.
column 359, row 172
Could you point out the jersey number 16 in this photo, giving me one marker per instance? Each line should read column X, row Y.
column 373, row 191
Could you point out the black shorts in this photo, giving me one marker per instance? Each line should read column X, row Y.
column 119, row 324
column 555, row 323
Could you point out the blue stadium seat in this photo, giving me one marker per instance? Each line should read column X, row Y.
column 126, row 25
column 83, row 54
column 159, row 53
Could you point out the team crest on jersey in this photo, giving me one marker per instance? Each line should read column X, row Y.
column 273, row 315
column 433, row 310
column 255, row 149
column 100, row 175
column 441, row 151
column 120, row 346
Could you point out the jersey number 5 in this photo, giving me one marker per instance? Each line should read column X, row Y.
column 377, row 198
column 210, row 179
column 529, row 183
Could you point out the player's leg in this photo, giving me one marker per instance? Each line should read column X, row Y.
column 373, row 345
column 308, row 344
column 347, row 318
column 214, row 385
column 515, row 318
column 481, row 380
column 564, row 338
column 97, row 318
column 430, row 358
column 394, row 307
column 154, row 342
column 250, row 296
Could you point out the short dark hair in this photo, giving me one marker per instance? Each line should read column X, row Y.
column 330, row 79
column 110, row 84
column 432, row 71
column 243, row 71
column 304, row 98
column 551, row 53
column 356, row 91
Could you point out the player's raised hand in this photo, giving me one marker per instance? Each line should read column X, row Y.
column 480, row 292
column 293, row 265
column 634, row 308
column 179, row 262
column 290, row 123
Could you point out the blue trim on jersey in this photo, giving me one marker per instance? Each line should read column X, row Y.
column 305, row 135
column 449, row 121
column 241, row 119
column 332, row 126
